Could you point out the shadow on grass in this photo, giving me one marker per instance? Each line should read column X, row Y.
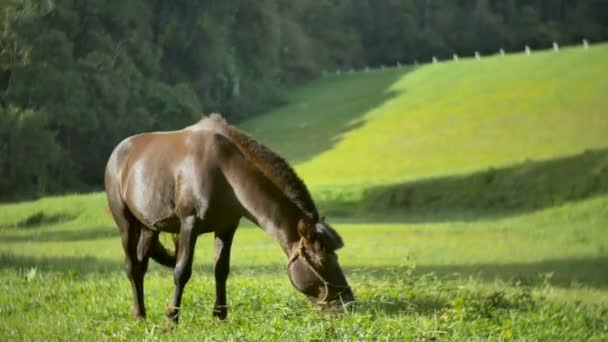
column 493, row 193
column 103, row 232
column 323, row 118
column 76, row 265
column 40, row 219
column 408, row 294
column 420, row 304
column 564, row 273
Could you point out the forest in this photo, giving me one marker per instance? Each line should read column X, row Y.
column 76, row 77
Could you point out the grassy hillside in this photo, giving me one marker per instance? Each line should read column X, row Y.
column 504, row 132
column 472, row 196
column 445, row 119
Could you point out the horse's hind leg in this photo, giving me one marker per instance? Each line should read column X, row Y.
column 132, row 236
column 136, row 241
column 183, row 266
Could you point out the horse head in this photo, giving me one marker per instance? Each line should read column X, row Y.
column 314, row 268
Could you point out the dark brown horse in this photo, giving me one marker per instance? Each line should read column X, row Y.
column 205, row 178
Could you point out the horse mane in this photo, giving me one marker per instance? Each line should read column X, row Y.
column 273, row 166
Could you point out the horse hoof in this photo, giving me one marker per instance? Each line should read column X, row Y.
column 140, row 316
column 220, row 313
column 172, row 314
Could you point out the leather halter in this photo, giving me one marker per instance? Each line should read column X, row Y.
column 299, row 252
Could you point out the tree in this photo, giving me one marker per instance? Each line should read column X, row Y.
column 79, row 76
column 29, row 153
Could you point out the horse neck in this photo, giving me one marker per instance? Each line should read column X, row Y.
column 263, row 202
column 279, row 218
column 268, row 208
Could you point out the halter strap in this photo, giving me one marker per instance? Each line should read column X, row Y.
column 299, row 252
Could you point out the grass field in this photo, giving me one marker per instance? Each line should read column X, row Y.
column 472, row 197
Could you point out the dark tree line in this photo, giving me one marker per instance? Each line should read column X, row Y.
column 76, row 76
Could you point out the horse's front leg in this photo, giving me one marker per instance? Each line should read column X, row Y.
column 223, row 243
column 183, row 266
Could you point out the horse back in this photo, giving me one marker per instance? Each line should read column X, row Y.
column 163, row 176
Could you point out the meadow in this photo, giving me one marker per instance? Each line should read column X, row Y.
column 472, row 197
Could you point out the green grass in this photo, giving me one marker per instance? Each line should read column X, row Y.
column 535, row 276
column 445, row 119
column 472, row 196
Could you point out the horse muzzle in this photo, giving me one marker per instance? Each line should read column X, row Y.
column 344, row 303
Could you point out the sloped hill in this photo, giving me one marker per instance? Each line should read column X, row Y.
column 516, row 131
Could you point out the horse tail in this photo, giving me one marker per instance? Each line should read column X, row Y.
column 161, row 255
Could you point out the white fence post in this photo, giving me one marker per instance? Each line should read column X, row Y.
column 435, row 60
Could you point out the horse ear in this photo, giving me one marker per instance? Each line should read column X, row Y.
column 306, row 231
